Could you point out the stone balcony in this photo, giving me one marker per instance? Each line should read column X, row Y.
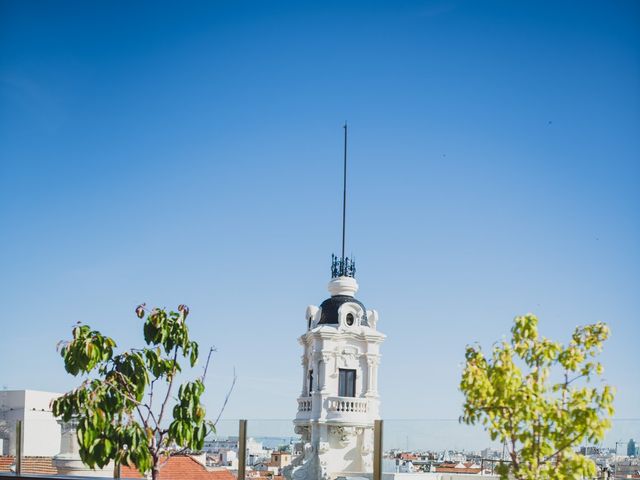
column 305, row 407
column 338, row 409
column 304, row 404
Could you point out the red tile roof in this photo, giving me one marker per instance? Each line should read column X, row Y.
column 182, row 467
column 408, row 456
column 457, row 470
column 453, row 467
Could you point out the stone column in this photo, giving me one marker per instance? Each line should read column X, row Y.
column 321, row 369
column 374, row 371
column 326, row 359
column 316, row 359
column 68, row 462
column 305, row 376
column 369, row 385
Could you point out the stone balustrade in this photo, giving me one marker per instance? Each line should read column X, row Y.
column 347, row 404
column 304, row 404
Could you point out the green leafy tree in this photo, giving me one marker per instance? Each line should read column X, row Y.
column 538, row 398
column 114, row 407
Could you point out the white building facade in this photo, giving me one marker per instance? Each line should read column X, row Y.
column 40, row 430
column 339, row 400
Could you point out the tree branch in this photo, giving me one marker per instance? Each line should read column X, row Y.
column 226, row 399
column 166, row 398
column 564, row 446
column 150, row 414
column 206, row 366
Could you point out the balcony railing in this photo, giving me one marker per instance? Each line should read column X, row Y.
column 304, row 404
column 347, row 404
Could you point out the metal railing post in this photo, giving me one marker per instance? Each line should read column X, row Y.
column 19, row 433
column 242, row 450
column 377, row 449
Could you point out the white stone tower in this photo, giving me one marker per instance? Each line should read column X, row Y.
column 339, row 399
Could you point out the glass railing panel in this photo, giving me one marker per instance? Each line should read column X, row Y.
column 221, row 447
column 271, row 447
column 420, row 445
column 408, row 446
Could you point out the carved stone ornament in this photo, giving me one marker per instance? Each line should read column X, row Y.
column 303, row 431
column 367, row 462
column 373, row 361
column 372, row 317
column 342, row 434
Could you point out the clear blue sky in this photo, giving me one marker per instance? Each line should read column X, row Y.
column 190, row 152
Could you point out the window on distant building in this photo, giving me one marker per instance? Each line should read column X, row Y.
column 310, row 381
column 347, row 383
column 349, row 319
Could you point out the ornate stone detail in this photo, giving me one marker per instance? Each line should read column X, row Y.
column 341, row 433
column 373, row 360
column 347, row 356
column 303, row 467
column 367, row 462
column 367, row 449
column 303, row 431
column 372, row 317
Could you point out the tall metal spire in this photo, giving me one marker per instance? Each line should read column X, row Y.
column 343, row 266
column 344, row 191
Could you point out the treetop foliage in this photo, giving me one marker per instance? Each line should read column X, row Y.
column 537, row 397
column 113, row 409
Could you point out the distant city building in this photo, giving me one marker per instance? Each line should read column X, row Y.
column 40, row 430
column 591, row 450
column 280, row 459
column 632, row 448
column 627, row 468
column 225, row 452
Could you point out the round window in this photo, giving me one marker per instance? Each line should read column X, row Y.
column 350, row 319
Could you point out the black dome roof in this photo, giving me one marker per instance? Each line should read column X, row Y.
column 329, row 314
